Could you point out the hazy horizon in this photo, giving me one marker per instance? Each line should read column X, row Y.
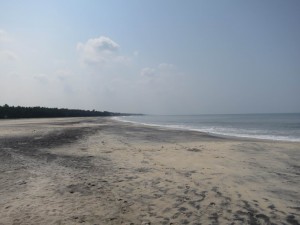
column 152, row 57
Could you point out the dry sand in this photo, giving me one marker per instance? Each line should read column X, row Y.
column 100, row 171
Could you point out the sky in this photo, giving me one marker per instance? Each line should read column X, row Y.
column 154, row 57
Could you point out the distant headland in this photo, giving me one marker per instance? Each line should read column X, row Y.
column 18, row 112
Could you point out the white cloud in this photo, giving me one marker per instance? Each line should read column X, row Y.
column 136, row 53
column 166, row 67
column 99, row 51
column 162, row 69
column 64, row 73
column 148, row 72
column 7, row 55
column 3, row 36
column 98, row 45
column 42, row 78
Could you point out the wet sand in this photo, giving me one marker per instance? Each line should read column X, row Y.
column 100, row 171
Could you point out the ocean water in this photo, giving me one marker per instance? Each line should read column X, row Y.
column 284, row 127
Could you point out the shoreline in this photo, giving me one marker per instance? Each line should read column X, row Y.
column 225, row 136
column 102, row 171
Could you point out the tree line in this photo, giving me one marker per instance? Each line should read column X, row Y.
column 12, row 112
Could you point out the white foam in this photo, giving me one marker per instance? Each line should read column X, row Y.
column 220, row 131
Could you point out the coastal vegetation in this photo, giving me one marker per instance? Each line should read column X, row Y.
column 14, row 112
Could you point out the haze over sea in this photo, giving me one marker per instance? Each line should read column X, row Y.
column 283, row 127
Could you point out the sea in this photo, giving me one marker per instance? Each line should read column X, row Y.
column 281, row 127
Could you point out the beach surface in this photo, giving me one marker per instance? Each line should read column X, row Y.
column 102, row 171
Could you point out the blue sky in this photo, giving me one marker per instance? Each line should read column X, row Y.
column 162, row 57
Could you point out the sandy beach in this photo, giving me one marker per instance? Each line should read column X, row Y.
column 101, row 171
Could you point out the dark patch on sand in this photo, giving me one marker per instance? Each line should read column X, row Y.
column 251, row 215
column 214, row 218
column 292, row 220
column 143, row 170
column 37, row 147
column 29, row 145
column 194, row 150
